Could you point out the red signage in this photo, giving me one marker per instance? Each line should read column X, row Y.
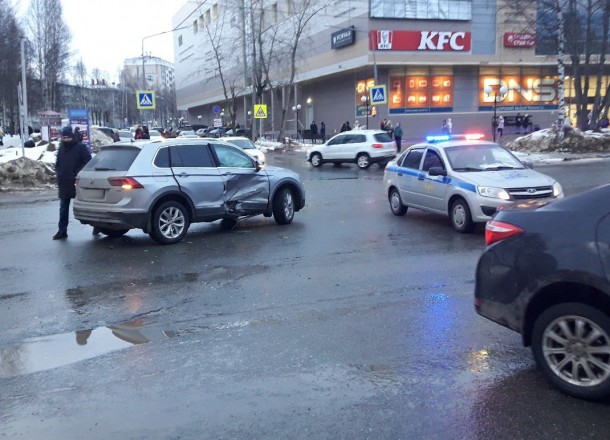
column 439, row 41
column 512, row 39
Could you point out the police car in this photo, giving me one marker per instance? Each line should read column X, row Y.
column 466, row 178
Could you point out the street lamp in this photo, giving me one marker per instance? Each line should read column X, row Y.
column 498, row 93
column 222, row 118
column 296, row 108
column 249, row 122
column 365, row 101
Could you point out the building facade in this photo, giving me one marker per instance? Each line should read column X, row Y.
column 415, row 62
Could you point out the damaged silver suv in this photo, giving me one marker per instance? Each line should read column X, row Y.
column 162, row 187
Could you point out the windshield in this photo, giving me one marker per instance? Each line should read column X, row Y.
column 485, row 157
column 244, row 144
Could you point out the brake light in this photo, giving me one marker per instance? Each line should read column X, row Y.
column 377, row 145
column 125, row 182
column 497, row 231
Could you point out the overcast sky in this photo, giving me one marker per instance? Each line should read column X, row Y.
column 106, row 32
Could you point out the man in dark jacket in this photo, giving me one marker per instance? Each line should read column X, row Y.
column 71, row 158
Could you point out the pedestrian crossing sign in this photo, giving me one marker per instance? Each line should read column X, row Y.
column 260, row 111
column 145, row 99
column 378, row 95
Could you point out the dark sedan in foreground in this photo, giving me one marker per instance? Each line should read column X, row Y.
column 545, row 274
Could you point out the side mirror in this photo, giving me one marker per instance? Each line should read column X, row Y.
column 437, row 171
column 257, row 166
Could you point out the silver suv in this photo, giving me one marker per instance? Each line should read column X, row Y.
column 162, row 187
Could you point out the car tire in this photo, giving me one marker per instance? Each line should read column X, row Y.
column 283, row 206
column 396, row 203
column 113, row 233
column 363, row 161
column 586, row 347
column 170, row 223
column 316, row 159
column 228, row 223
column 461, row 218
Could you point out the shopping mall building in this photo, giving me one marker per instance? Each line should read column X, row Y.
column 425, row 61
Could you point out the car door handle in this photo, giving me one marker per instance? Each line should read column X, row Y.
column 420, row 177
column 399, row 174
column 182, row 174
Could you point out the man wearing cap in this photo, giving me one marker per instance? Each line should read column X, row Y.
column 71, row 158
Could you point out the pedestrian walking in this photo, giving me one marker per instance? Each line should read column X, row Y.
column 444, row 127
column 71, row 158
column 449, row 126
column 78, row 135
column 518, row 123
column 526, row 123
column 323, row 131
column 313, row 129
column 398, row 136
column 501, row 125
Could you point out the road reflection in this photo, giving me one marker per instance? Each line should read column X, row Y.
column 48, row 352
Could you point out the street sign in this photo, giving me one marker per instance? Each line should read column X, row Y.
column 378, row 95
column 216, row 109
column 145, row 99
column 260, row 111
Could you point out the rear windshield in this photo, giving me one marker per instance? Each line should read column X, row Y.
column 113, row 159
column 382, row 137
column 244, row 144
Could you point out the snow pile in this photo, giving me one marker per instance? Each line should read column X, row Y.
column 25, row 173
column 574, row 141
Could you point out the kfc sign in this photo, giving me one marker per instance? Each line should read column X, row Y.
column 512, row 39
column 441, row 41
column 438, row 41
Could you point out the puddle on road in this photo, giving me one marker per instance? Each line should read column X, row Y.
column 48, row 352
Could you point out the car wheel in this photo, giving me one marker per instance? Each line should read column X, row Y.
column 396, row 203
column 113, row 233
column 571, row 345
column 363, row 161
column 461, row 218
column 316, row 159
column 228, row 223
column 170, row 223
column 283, row 207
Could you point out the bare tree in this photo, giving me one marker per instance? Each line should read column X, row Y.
column 576, row 32
column 295, row 27
column 9, row 66
column 49, row 38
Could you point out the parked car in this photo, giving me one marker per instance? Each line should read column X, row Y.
column 545, row 273
column 466, row 180
column 202, row 132
column 362, row 147
column 187, row 134
column 242, row 132
column 216, row 132
column 248, row 146
column 125, row 134
column 162, row 187
column 154, row 134
column 110, row 132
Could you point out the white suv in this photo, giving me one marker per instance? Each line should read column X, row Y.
column 362, row 147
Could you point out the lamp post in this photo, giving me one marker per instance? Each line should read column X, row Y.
column 296, row 108
column 496, row 93
column 222, row 118
column 249, row 122
column 365, row 101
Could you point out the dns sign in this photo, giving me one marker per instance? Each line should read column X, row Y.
column 522, row 90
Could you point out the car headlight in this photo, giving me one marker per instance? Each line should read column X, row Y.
column 557, row 190
column 493, row 192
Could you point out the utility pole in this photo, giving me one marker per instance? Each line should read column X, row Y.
column 23, row 99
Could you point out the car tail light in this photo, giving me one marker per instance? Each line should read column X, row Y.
column 125, row 182
column 496, row 231
column 377, row 145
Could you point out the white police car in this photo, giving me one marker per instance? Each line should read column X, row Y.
column 466, row 179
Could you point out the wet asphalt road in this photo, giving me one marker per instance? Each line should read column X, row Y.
column 348, row 323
